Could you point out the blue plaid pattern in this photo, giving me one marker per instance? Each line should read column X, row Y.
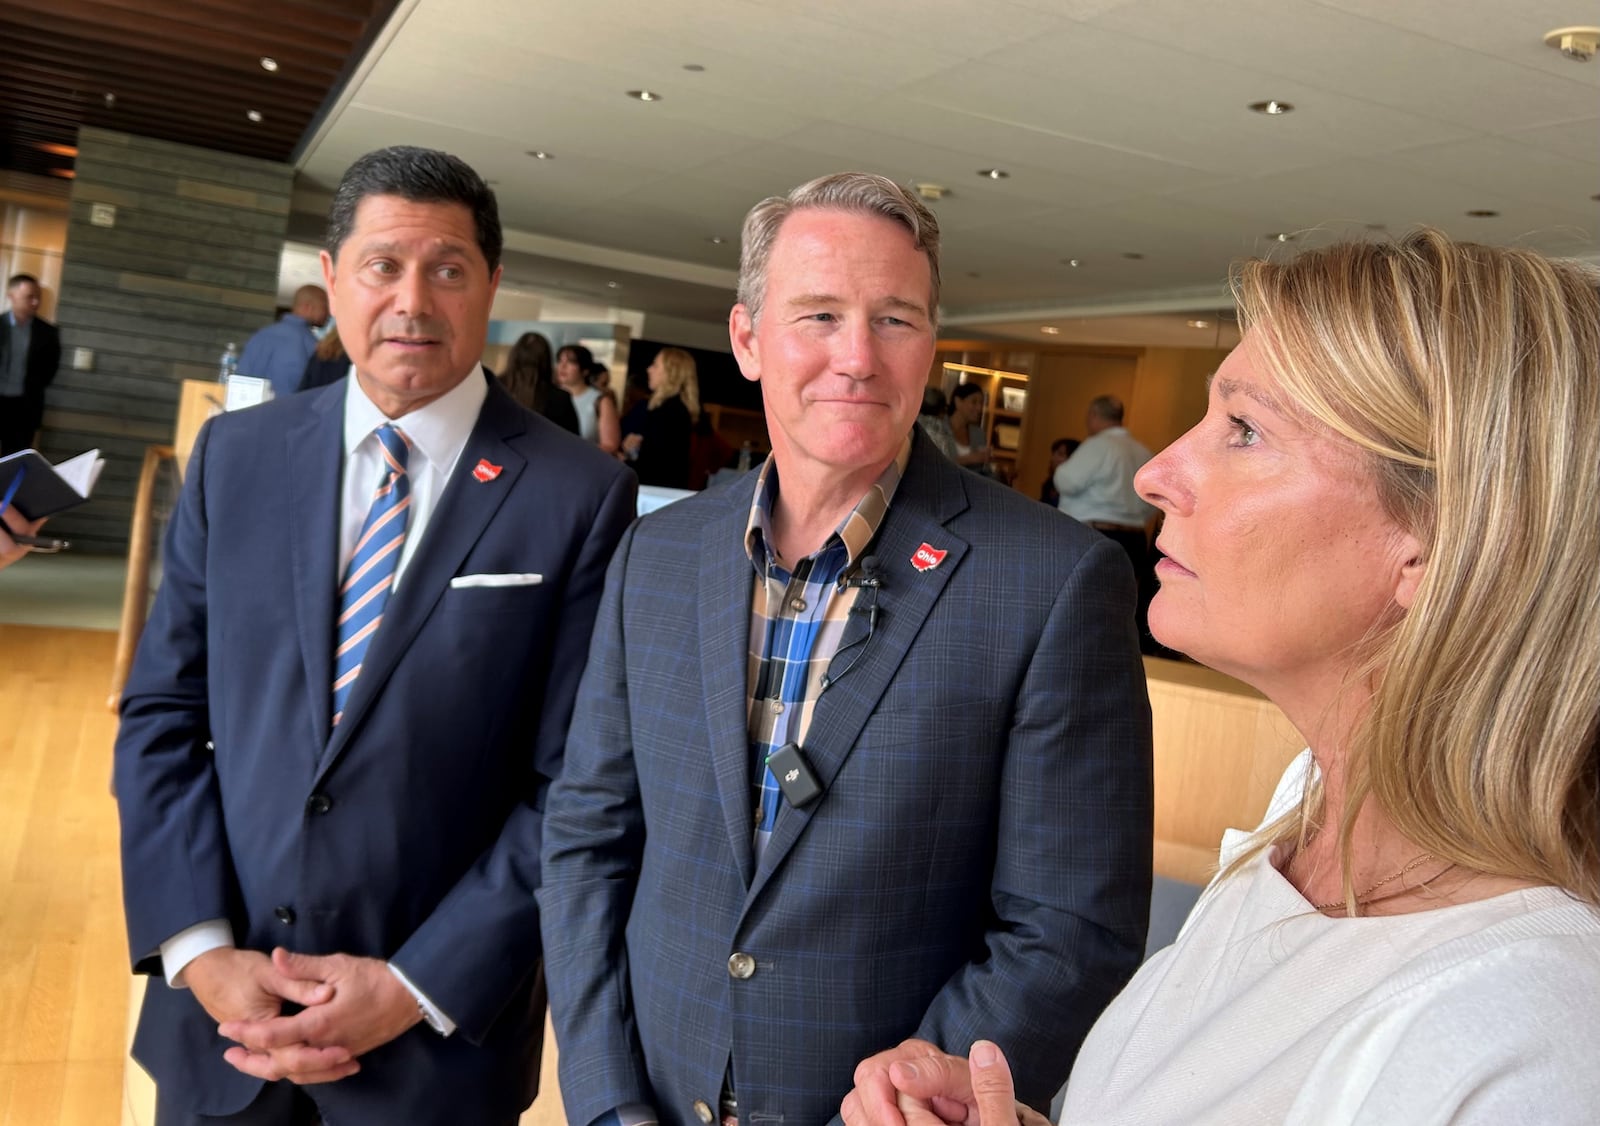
column 369, row 576
column 797, row 622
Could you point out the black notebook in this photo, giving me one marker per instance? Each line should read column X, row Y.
column 36, row 488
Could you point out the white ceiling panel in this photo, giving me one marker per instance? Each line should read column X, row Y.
column 958, row 28
column 1214, row 135
column 1508, row 169
column 1123, row 125
column 1338, row 51
column 1513, row 32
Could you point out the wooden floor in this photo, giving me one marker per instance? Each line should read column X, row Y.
column 64, row 979
column 63, row 973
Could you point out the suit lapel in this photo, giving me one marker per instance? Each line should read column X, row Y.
column 314, row 455
column 460, row 515
column 931, row 493
column 725, row 589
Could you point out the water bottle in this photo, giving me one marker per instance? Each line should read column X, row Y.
column 229, row 364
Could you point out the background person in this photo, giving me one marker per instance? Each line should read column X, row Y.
column 657, row 434
column 983, row 757
column 329, row 363
column 1412, row 935
column 351, row 697
column 966, row 423
column 529, row 379
column 933, row 420
column 1060, row 450
column 30, row 353
column 1096, row 486
column 598, row 421
column 280, row 352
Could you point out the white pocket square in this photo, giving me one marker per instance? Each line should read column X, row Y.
column 461, row 581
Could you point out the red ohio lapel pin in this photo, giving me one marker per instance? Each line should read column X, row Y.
column 927, row 557
column 485, row 470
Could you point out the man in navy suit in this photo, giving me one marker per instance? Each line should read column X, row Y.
column 863, row 747
column 351, row 697
column 30, row 353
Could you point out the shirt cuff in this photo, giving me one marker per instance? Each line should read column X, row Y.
column 431, row 1013
column 628, row 1114
column 188, row 944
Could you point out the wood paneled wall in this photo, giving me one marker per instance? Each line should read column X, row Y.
column 190, row 264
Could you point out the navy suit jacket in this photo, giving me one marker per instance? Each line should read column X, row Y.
column 978, row 865
column 411, row 832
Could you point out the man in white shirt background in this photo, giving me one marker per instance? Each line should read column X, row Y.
column 1096, row 487
column 350, row 698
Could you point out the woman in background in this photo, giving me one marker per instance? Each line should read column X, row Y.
column 1060, row 450
column 966, row 422
column 528, row 380
column 597, row 410
column 656, row 433
column 1385, row 523
column 329, row 363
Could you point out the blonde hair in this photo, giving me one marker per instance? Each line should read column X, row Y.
column 1467, row 376
column 677, row 378
column 330, row 347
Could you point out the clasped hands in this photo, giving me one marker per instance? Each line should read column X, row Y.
column 917, row 1084
column 350, row 1006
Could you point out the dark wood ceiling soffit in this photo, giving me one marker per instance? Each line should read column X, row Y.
column 178, row 70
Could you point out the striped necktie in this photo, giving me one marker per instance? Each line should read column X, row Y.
column 369, row 575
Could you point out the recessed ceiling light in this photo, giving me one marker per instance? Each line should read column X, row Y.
column 110, row 100
column 1272, row 108
column 613, row 285
column 269, row 64
column 1133, row 256
column 1050, row 330
column 1280, row 236
column 716, row 240
column 994, row 173
column 1199, row 324
column 1482, row 213
column 1576, row 43
column 254, row 115
column 1073, row 262
column 645, row 95
column 694, row 68
column 540, row 154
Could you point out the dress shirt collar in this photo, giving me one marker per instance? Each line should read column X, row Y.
column 855, row 531
column 438, row 431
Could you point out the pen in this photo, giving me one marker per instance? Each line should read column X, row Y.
column 38, row 541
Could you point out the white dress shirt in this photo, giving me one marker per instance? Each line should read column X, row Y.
column 438, row 433
column 1096, row 482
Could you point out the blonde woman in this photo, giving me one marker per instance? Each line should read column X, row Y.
column 598, row 421
column 656, row 434
column 1386, row 523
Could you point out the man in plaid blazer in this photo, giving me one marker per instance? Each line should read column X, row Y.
column 862, row 751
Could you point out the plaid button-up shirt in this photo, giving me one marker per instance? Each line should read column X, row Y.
column 797, row 619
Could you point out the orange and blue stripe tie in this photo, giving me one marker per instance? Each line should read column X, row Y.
column 369, row 576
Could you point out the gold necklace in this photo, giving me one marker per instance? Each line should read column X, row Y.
column 1361, row 898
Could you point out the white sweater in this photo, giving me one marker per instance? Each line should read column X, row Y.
column 1265, row 1011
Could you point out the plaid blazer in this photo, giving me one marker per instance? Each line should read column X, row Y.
column 977, row 866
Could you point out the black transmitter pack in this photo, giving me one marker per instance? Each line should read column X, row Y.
column 794, row 774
